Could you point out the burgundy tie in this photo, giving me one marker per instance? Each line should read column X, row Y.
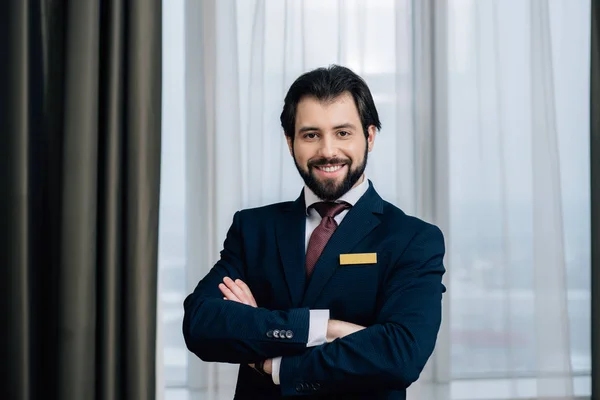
column 322, row 233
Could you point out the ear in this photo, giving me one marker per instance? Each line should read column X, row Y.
column 372, row 132
column 290, row 144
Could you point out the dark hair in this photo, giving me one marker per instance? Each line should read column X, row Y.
column 326, row 84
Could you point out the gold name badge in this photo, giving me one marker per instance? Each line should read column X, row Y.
column 359, row 258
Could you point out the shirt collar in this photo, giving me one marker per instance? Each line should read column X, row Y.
column 351, row 197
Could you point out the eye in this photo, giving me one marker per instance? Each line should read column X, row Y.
column 344, row 133
column 310, row 135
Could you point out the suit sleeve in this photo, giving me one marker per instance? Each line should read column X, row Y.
column 217, row 330
column 391, row 353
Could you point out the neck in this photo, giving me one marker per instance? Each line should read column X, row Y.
column 359, row 181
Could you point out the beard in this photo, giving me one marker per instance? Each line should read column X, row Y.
column 329, row 189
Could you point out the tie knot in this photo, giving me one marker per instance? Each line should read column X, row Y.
column 330, row 209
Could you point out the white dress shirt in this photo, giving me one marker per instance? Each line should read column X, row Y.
column 317, row 324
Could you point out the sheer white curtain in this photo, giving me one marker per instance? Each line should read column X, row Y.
column 485, row 133
column 519, row 194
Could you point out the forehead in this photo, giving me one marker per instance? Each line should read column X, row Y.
column 314, row 112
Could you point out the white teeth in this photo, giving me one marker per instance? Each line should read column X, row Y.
column 331, row 169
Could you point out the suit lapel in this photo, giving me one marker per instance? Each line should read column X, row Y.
column 290, row 232
column 357, row 224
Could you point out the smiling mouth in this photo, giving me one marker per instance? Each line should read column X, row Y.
column 330, row 168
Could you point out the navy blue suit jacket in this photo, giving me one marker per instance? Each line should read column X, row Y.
column 398, row 299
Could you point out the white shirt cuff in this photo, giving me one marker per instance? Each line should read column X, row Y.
column 317, row 335
column 275, row 365
column 317, row 327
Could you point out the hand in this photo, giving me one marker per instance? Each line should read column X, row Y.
column 237, row 291
column 240, row 292
column 267, row 366
column 338, row 329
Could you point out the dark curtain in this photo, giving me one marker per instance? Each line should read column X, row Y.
column 80, row 126
column 595, row 190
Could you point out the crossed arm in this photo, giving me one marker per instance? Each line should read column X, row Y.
column 389, row 354
column 239, row 291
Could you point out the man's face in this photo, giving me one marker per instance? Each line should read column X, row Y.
column 329, row 146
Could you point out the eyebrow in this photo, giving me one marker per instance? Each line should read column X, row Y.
column 308, row 129
column 312, row 128
column 345, row 126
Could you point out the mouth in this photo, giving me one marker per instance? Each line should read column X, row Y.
column 330, row 170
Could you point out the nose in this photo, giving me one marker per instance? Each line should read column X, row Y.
column 328, row 147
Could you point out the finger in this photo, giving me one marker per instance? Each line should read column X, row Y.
column 244, row 287
column 237, row 291
column 228, row 293
column 222, row 284
column 268, row 366
column 246, row 290
column 234, row 287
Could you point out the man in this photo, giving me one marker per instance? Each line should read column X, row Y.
column 337, row 294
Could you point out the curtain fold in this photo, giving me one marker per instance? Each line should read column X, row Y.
column 553, row 355
column 595, row 194
column 14, row 218
column 80, row 122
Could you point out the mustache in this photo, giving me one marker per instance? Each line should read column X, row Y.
column 327, row 161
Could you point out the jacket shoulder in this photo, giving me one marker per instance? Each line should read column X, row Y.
column 264, row 212
column 397, row 217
